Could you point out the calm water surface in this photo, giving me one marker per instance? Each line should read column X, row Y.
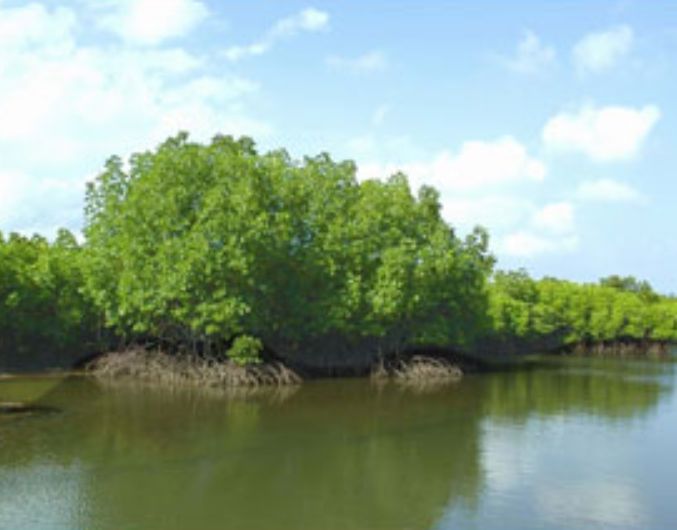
column 562, row 445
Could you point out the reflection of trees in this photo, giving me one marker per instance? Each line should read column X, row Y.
column 334, row 454
column 603, row 387
column 339, row 454
column 27, row 389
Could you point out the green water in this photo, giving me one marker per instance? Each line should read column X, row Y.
column 566, row 444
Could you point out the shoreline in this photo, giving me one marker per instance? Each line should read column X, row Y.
column 420, row 366
column 417, row 366
column 157, row 367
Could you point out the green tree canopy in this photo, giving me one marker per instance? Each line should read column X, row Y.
column 199, row 244
column 523, row 309
column 218, row 248
column 43, row 313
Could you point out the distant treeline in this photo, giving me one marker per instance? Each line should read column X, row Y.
column 44, row 311
column 219, row 250
column 553, row 314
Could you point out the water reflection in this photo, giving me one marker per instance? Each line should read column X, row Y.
column 615, row 390
column 534, row 448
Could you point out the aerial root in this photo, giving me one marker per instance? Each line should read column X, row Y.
column 418, row 371
column 184, row 370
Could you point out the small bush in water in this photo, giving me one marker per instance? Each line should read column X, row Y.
column 245, row 350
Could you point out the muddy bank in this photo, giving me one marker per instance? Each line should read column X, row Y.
column 155, row 367
column 556, row 344
column 187, row 370
column 418, row 373
column 18, row 361
column 415, row 363
column 621, row 348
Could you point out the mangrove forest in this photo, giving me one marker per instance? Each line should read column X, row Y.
column 220, row 251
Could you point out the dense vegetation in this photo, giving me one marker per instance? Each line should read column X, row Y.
column 553, row 313
column 218, row 249
column 43, row 311
column 202, row 244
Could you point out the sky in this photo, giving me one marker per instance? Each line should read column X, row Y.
column 553, row 124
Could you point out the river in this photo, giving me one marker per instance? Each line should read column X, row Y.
column 558, row 444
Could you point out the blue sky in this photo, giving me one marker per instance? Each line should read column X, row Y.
column 554, row 124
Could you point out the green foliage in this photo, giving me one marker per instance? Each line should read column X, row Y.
column 245, row 350
column 630, row 284
column 615, row 309
column 196, row 247
column 43, row 312
column 203, row 243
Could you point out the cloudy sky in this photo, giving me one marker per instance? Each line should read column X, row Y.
column 554, row 124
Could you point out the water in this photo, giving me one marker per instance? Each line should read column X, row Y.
column 565, row 444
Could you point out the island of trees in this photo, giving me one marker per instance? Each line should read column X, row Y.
column 221, row 252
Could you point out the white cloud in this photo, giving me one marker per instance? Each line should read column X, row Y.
column 476, row 166
column 65, row 107
column 600, row 51
column 608, row 190
column 11, row 192
column 374, row 145
column 477, row 184
column 551, row 230
column 556, row 218
column 373, row 61
column 150, row 22
column 604, row 134
column 364, row 145
column 64, row 103
column 498, row 213
column 29, row 204
column 308, row 20
column 526, row 244
column 27, row 25
column 379, row 115
column 531, row 55
column 483, row 184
